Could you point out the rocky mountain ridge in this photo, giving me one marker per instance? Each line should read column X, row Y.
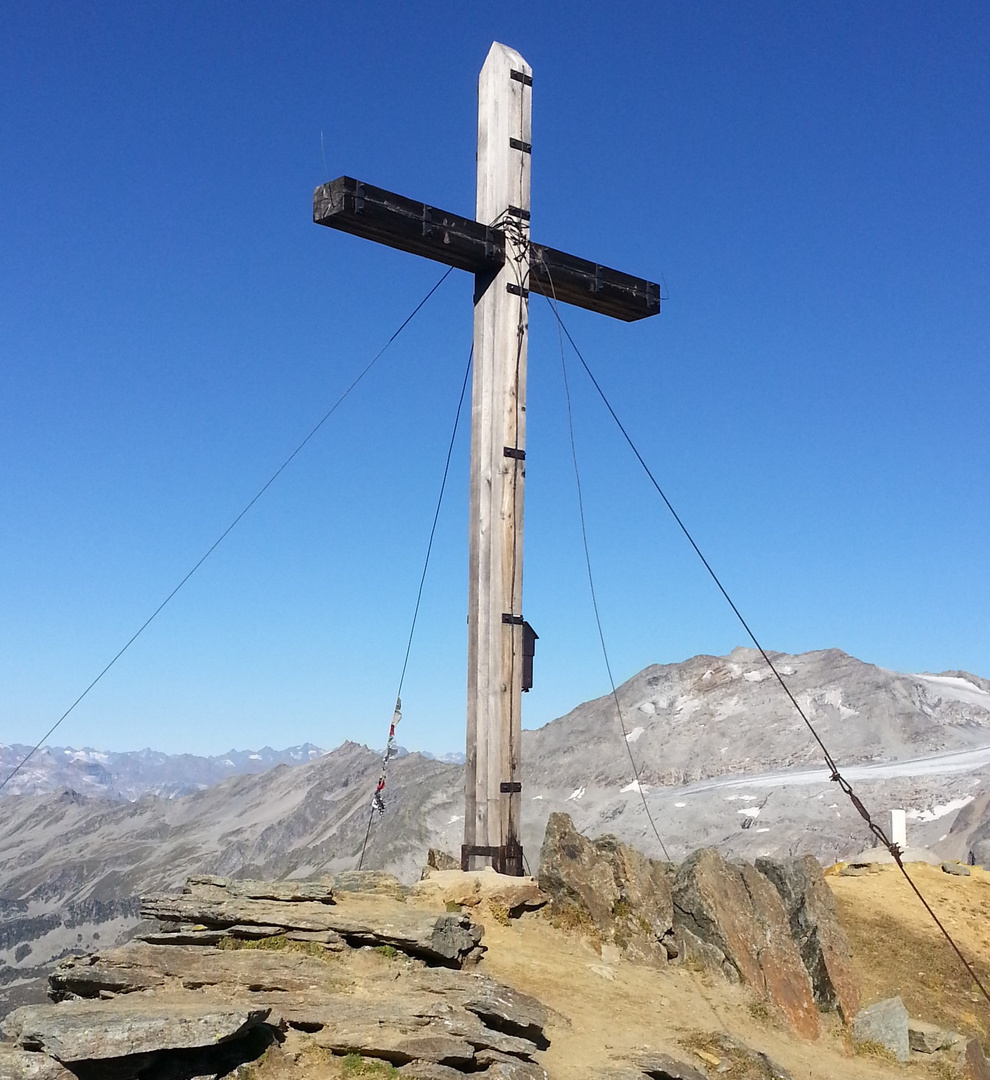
column 608, row 966
column 128, row 775
column 723, row 764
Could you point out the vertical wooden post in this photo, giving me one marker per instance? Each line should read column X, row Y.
column 498, row 468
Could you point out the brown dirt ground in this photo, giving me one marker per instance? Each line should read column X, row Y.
column 606, row 1011
column 898, row 949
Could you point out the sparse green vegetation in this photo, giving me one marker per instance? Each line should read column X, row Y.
column 277, row 943
column 621, row 909
column 390, row 952
column 571, row 918
column 355, row 1065
column 760, row 1010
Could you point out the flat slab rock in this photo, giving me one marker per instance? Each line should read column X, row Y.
column 450, row 938
column 664, row 1067
column 141, row 966
column 17, row 1064
column 439, row 1017
column 284, row 891
column 405, row 1027
column 436, row 1016
column 502, row 1070
column 471, row 888
column 76, row 1031
column 926, row 1038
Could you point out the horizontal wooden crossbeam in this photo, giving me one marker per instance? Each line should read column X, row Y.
column 589, row 285
column 376, row 214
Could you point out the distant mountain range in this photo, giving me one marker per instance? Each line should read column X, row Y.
column 724, row 760
column 128, row 775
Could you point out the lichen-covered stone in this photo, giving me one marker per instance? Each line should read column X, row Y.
column 735, row 910
column 817, row 932
column 618, row 891
column 75, row 1031
column 884, row 1022
column 17, row 1064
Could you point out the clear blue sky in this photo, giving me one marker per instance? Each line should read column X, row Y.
column 811, row 181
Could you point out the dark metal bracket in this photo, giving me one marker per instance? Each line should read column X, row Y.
column 521, row 76
column 518, row 144
column 514, row 452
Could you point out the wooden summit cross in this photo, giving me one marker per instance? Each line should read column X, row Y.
column 496, row 248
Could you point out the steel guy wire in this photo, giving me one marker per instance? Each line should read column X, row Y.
column 378, row 804
column 219, row 540
column 591, row 579
column 836, row 775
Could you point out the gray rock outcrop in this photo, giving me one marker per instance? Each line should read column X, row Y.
column 958, row 869
column 199, row 1002
column 924, row 1038
column 886, row 1024
column 610, row 886
column 82, row 1030
column 17, row 1064
column 220, row 905
column 816, row 930
column 731, row 917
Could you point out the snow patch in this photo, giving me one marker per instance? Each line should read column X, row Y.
column 680, row 804
column 255, row 757
column 576, row 794
column 764, row 828
column 634, row 786
column 741, row 798
column 535, row 797
column 952, row 686
column 635, row 734
column 940, row 810
column 756, row 676
column 749, row 811
column 648, row 707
